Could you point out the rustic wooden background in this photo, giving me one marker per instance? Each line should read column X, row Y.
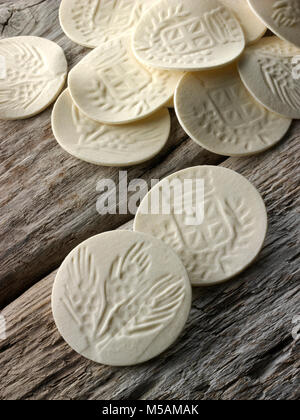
column 238, row 343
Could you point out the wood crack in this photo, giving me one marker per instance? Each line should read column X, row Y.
column 269, row 358
column 6, row 23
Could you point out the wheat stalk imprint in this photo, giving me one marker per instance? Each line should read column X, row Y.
column 286, row 13
column 90, row 16
column 277, row 75
column 207, row 251
column 24, row 84
column 99, row 137
column 126, row 304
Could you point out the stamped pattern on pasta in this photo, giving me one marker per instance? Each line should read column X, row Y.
column 273, row 60
column 286, row 12
column 100, row 89
column 253, row 27
column 92, row 22
column 218, row 112
column 186, row 35
column 114, row 298
column 32, row 72
column 277, row 75
column 108, row 145
column 124, row 303
column 110, row 138
column 229, row 237
column 282, row 17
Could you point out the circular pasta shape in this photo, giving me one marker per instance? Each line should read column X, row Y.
column 212, row 217
column 188, row 35
column 121, row 298
column 108, row 145
column 270, row 71
column 219, row 114
column 33, row 71
column 110, row 86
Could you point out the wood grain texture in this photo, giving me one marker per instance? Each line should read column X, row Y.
column 238, row 342
column 48, row 198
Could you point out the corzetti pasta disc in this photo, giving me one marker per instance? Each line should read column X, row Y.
column 188, row 35
column 281, row 16
column 270, row 70
column 121, row 298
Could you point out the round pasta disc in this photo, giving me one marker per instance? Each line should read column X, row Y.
column 121, row 298
column 110, row 86
column 270, row 71
column 281, row 16
column 108, row 145
column 253, row 27
column 188, row 35
column 219, row 114
column 90, row 23
column 212, row 217
column 33, row 71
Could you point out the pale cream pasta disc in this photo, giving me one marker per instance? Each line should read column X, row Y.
column 188, row 35
column 211, row 216
column 108, row 145
column 253, row 27
column 33, row 71
column 92, row 22
column 219, row 114
column 110, row 86
column 270, row 70
column 281, row 16
column 121, row 298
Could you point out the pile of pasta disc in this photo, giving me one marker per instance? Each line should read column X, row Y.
column 235, row 92
column 121, row 298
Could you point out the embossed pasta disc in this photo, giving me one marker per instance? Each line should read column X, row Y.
column 188, row 35
column 281, row 16
column 110, row 86
column 270, row 71
column 252, row 26
column 107, row 145
column 217, row 112
column 216, row 234
column 92, row 22
column 121, row 298
column 32, row 73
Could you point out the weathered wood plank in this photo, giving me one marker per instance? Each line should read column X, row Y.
column 47, row 198
column 238, row 341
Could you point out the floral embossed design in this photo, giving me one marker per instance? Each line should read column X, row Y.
column 229, row 114
column 286, row 13
column 213, row 247
column 95, row 136
column 278, row 76
column 126, row 303
column 101, row 20
column 110, row 92
column 176, row 36
column 26, row 80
